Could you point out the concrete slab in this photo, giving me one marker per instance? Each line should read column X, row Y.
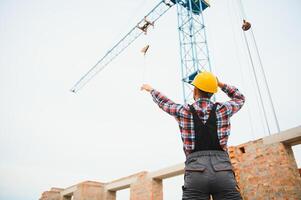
column 289, row 137
column 168, row 172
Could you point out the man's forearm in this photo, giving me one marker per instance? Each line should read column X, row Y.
column 220, row 84
column 165, row 103
column 232, row 92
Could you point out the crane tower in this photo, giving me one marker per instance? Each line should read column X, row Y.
column 193, row 42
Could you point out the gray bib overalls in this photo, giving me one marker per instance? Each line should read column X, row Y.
column 208, row 170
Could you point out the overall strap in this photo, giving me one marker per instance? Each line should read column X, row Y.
column 206, row 137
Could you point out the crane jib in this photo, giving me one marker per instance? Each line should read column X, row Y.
column 159, row 10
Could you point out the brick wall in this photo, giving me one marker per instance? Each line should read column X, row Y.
column 146, row 188
column 52, row 194
column 263, row 171
column 266, row 171
column 89, row 190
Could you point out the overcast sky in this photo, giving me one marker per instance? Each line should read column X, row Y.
column 50, row 137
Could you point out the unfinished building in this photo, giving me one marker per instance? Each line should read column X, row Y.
column 265, row 169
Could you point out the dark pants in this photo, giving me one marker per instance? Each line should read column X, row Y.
column 209, row 173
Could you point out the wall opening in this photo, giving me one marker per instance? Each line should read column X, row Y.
column 297, row 155
column 172, row 187
column 68, row 197
column 242, row 149
column 123, row 194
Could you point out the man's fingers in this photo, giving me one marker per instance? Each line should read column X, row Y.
column 146, row 87
column 143, row 87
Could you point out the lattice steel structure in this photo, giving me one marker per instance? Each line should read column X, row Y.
column 193, row 42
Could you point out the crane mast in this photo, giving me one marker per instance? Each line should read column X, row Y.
column 193, row 42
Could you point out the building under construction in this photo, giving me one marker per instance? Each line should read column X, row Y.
column 264, row 169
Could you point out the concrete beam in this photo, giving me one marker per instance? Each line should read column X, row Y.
column 289, row 137
column 120, row 184
column 69, row 191
column 56, row 189
column 168, row 172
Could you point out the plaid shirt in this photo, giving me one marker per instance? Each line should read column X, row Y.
column 203, row 107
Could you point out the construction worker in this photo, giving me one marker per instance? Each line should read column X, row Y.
column 205, row 128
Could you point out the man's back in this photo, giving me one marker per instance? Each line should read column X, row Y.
column 203, row 106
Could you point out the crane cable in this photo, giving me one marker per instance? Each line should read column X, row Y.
column 266, row 82
column 145, row 50
column 240, row 70
column 243, row 16
column 144, row 67
column 262, row 71
column 242, row 11
column 254, row 89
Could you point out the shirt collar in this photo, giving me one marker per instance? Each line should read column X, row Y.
column 203, row 99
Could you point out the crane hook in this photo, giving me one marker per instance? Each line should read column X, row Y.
column 144, row 49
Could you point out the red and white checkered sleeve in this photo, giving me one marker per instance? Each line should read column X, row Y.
column 236, row 102
column 167, row 105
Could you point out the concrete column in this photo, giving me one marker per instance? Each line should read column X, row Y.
column 109, row 195
column 146, row 188
column 89, row 190
column 266, row 171
column 53, row 194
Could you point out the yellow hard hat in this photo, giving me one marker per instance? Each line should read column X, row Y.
column 206, row 82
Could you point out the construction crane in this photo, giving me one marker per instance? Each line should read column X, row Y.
column 192, row 36
column 194, row 52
